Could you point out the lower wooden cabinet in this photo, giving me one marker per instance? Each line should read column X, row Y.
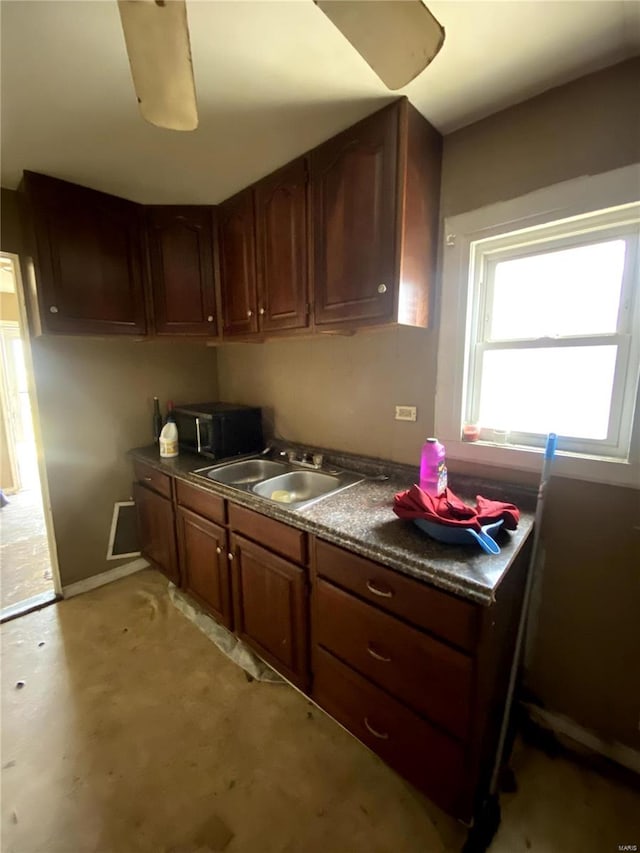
column 270, row 608
column 156, row 528
column 424, row 673
column 415, row 673
column 428, row 758
column 204, row 563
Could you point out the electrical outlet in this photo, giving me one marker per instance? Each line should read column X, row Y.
column 406, row 413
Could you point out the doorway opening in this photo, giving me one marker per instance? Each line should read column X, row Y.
column 29, row 575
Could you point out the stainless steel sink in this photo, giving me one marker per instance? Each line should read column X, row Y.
column 245, row 473
column 296, row 489
column 288, row 484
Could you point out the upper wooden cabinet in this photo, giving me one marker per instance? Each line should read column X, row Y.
column 263, row 249
column 183, row 295
column 375, row 190
column 237, row 253
column 354, row 201
column 88, row 258
column 345, row 236
column 282, row 255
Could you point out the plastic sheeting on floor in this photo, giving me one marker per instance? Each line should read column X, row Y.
column 227, row 642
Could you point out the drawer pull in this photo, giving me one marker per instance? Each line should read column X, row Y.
column 380, row 735
column 381, row 592
column 147, row 479
column 377, row 655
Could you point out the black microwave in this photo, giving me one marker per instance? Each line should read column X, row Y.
column 219, row 430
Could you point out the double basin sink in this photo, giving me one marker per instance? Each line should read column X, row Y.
column 289, row 484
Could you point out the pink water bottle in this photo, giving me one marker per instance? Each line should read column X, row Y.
column 433, row 471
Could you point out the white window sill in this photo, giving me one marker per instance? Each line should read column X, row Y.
column 615, row 472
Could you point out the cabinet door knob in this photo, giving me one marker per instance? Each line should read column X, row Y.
column 261, row 311
column 249, row 313
column 218, row 550
column 210, row 318
column 381, row 735
column 53, row 309
column 382, row 288
column 230, row 555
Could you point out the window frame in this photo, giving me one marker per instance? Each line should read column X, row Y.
column 571, row 213
column 487, row 257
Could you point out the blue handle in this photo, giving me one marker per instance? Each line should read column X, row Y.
column 552, row 443
column 485, row 541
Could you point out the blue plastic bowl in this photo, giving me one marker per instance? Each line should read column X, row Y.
column 462, row 535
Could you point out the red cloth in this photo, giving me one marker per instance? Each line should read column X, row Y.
column 489, row 511
column 449, row 510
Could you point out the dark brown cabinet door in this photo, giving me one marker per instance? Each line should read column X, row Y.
column 282, row 237
column 270, row 608
column 204, row 563
column 237, row 253
column 354, row 182
column 181, row 266
column 157, row 531
column 88, row 254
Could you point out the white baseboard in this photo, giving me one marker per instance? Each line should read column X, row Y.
column 560, row 725
column 103, row 578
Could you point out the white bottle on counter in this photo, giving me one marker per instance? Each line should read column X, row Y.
column 169, row 440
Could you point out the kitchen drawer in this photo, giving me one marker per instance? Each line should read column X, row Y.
column 429, row 759
column 442, row 614
column 201, row 501
column 272, row 534
column 429, row 676
column 152, row 478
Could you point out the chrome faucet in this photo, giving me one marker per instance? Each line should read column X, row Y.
column 306, row 460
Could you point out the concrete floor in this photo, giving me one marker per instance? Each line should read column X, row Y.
column 134, row 734
column 25, row 568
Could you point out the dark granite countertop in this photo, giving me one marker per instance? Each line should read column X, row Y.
column 361, row 519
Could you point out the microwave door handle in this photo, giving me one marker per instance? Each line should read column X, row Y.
column 198, row 435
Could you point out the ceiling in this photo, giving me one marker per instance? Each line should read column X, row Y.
column 272, row 80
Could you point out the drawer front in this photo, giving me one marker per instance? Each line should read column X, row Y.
column 272, row 534
column 445, row 615
column 201, row 501
column 430, row 760
column 425, row 674
column 152, row 478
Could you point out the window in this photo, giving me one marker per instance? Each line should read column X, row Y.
column 540, row 328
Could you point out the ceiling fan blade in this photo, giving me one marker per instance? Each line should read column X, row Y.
column 397, row 38
column 156, row 34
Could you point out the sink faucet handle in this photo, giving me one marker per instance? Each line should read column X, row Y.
column 291, row 455
column 317, row 460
